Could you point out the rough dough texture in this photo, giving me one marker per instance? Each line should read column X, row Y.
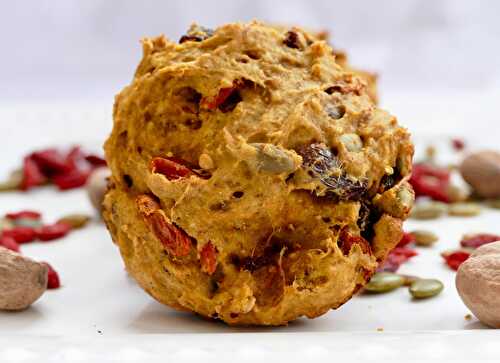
column 253, row 178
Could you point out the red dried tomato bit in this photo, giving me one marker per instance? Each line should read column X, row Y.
column 70, row 180
column 346, row 241
column 171, row 168
column 52, row 231
column 20, row 234
column 431, row 181
column 175, row 240
column 477, row 240
column 28, row 214
column 455, row 259
column 407, row 239
column 50, row 161
column 95, row 160
column 9, row 243
column 208, row 258
column 53, row 281
column 458, row 144
column 32, row 175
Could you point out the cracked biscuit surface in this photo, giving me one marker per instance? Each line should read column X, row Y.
column 254, row 180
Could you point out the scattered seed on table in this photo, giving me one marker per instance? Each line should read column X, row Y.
column 384, row 282
column 425, row 288
column 424, row 238
column 493, row 203
column 13, row 182
column 409, row 279
column 464, row 209
column 75, row 220
column 431, row 210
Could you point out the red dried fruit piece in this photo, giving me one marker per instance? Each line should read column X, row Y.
column 407, row 239
column 95, row 160
column 208, row 258
column 20, row 234
column 175, row 240
column 222, row 99
column 171, row 168
column 346, row 241
column 29, row 214
column 431, row 181
column 458, row 144
column 455, row 259
column 50, row 161
column 53, row 281
column 9, row 243
column 32, row 175
column 52, row 231
column 477, row 240
column 396, row 258
column 72, row 179
column 74, row 157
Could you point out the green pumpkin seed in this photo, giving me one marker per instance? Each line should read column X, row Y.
column 425, row 288
column 75, row 220
column 494, row 203
column 464, row 209
column 424, row 238
column 13, row 182
column 431, row 210
column 409, row 279
column 384, row 282
column 272, row 159
column 28, row 222
column 5, row 223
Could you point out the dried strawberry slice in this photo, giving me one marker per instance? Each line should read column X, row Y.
column 171, row 168
column 20, row 234
column 455, row 259
column 73, row 179
column 175, row 240
column 29, row 214
column 32, row 175
column 407, row 239
column 95, row 160
column 431, row 181
column 53, row 281
column 9, row 243
column 208, row 258
column 50, row 161
column 52, row 231
column 478, row 240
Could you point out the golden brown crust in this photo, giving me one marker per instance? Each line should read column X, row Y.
column 272, row 158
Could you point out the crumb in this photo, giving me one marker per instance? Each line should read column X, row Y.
column 99, row 331
column 380, row 329
column 468, row 317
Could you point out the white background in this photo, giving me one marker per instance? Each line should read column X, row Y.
column 61, row 64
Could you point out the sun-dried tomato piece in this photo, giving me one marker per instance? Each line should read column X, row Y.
column 208, row 258
column 9, row 243
column 346, row 241
column 175, row 240
column 320, row 163
column 53, row 281
column 32, row 175
column 455, row 259
column 429, row 180
column 70, row 180
column 477, row 240
column 407, row 239
column 52, row 231
column 95, row 160
column 29, row 214
column 20, row 234
column 50, row 161
column 171, row 168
